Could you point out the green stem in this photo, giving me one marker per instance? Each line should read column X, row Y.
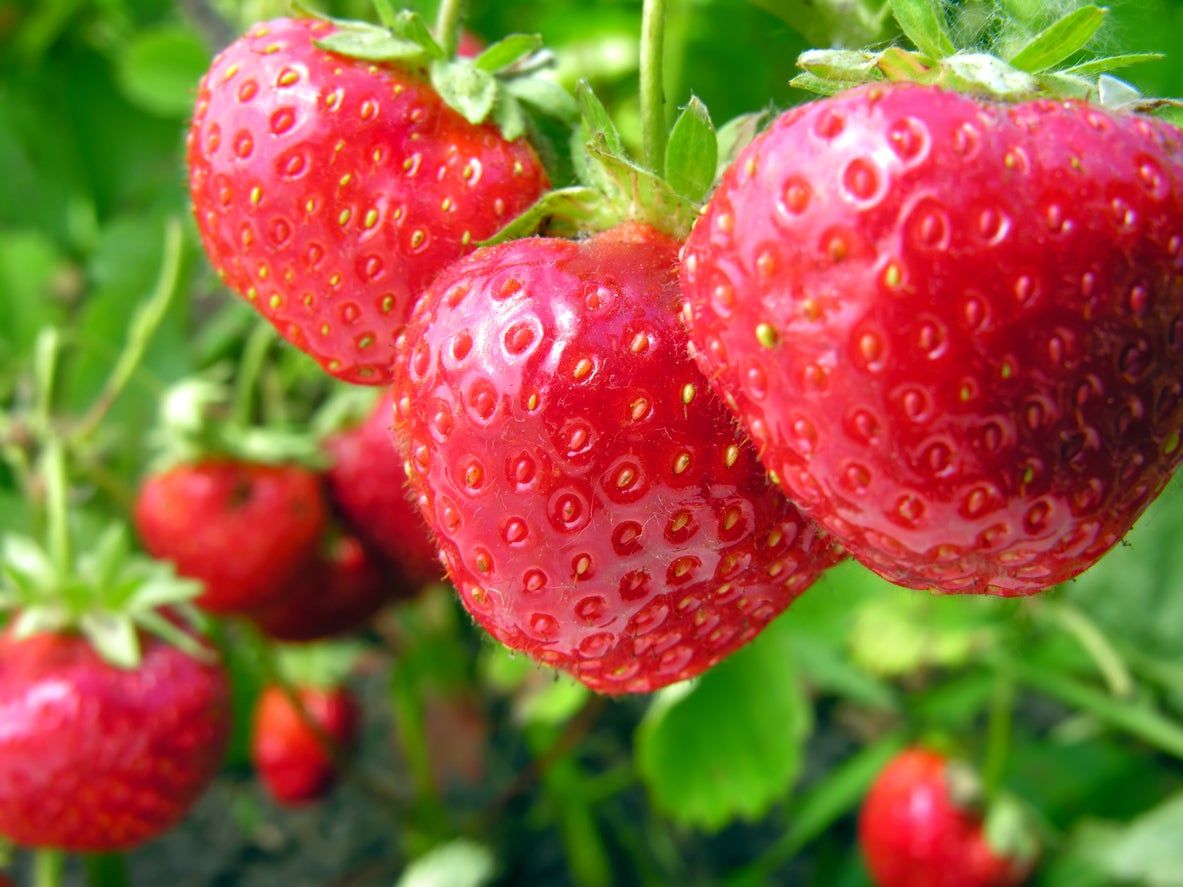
column 250, row 368
column 1149, row 725
column 447, row 25
column 998, row 729
column 1086, row 633
column 57, row 506
column 144, row 325
column 48, row 868
column 653, row 128
column 411, row 727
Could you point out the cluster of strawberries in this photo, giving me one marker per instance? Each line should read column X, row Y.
column 937, row 333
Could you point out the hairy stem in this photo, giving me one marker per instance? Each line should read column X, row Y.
column 447, row 25
column 48, row 868
column 653, row 128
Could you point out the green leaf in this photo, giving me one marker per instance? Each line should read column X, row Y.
column 692, row 152
column 922, row 22
column 1059, row 40
column 1115, row 94
column 159, row 69
column 554, row 702
column 571, row 204
column 373, row 44
column 596, row 121
column 410, row 26
column 114, row 637
column 545, row 95
column 505, row 52
column 1148, row 851
column 459, row 863
column 469, row 90
column 509, row 116
column 636, row 193
column 845, row 65
column 731, row 743
column 1112, row 63
column 818, row 85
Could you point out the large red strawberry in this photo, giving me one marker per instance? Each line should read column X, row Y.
column 244, row 529
column 329, row 190
column 291, row 757
column 336, row 593
column 914, row 832
column 595, row 506
column 367, row 486
column 952, row 327
column 94, row 757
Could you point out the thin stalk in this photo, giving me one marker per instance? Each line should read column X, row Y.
column 998, row 728
column 447, row 25
column 49, row 867
column 250, row 368
column 1109, row 662
column 57, row 508
column 144, row 325
column 653, row 128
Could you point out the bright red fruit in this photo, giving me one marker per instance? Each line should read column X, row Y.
column 367, row 486
column 289, row 756
column 335, row 594
column 97, row 758
column 244, row 529
column 952, row 327
column 329, row 190
column 595, row 505
column 914, row 834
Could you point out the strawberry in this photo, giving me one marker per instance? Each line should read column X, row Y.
column 289, row 754
column 367, row 487
column 94, row 757
column 244, row 529
column 952, row 327
column 593, row 502
column 336, row 594
column 914, row 833
column 329, row 190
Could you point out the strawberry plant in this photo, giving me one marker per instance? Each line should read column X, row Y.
column 592, row 443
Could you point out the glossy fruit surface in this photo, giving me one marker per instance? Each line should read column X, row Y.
column 290, row 758
column 594, row 503
column 244, row 529
column 913, row 834
column 367, row 486
column 99, row 758
column 952, row 327
column 337, row 593
column 330, row 190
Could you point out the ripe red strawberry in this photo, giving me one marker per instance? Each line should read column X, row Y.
column 367, row 486
column 329, row 190
column 913, row 833
column 289, row 756
column 953, row 328
column 244, row 529
column 335, row 594
column 97, row 758
column 595, row 506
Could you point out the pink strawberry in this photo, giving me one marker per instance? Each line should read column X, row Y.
column 94, row 757
column 952, row 327
column 330, row 190
column 594, row 504
column 367, row 486
column 244, row 529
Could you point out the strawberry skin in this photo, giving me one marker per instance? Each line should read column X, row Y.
column 99, row 758
column 289, row 756
column 328, row 191
column 337, row 593
column 913, row 834
column 952, row 327
column 594, row 504
column 367, row 487
column 242, row 528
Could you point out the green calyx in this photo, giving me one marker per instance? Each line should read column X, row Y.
column 614, row 188
column 1036, row 68
column 196, row 422
column 504, row 84
column 109, row 594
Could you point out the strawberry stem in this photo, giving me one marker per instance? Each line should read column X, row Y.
column 447, row 25
column 48, row 868
column 998, row 729
column 56, row 507
column 254, row 356
column 653, row 129
column 144, row 325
